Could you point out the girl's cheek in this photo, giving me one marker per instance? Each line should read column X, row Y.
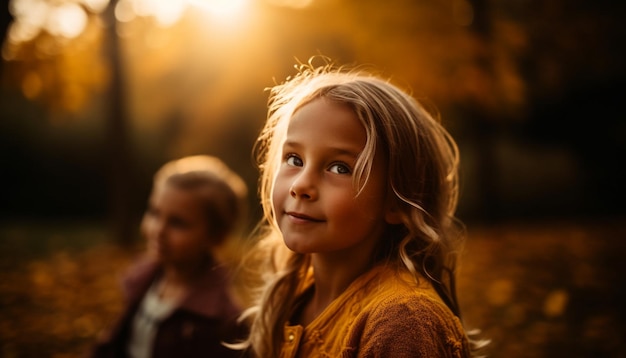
column 149, row 227
column 145, row 227
column 276, row 190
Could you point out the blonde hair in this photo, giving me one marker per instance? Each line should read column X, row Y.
column 423, row 163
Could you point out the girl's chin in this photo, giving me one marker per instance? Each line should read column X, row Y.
column 296, row 247
column 156, row 256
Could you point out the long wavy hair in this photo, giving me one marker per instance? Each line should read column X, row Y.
column 423, row 163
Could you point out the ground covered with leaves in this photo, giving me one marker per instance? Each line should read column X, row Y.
column 534, row 289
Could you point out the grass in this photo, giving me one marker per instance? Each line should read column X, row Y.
column 551, row 289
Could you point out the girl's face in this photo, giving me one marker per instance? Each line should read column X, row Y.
column 175, row 227
column 314, row 199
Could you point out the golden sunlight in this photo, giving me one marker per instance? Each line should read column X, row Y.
column 67, row 20
column 166, row 13
column 296, row 4
column 219, row 7
column 30, row 17
column 95, row 6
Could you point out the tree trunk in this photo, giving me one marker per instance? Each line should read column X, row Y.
column 118, row 147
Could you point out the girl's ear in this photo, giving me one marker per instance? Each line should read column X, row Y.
column 393, row 215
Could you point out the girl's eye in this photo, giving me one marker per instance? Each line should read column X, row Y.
column 151, row 212
column 179, row 223
column 339, row 169
column 293, row 160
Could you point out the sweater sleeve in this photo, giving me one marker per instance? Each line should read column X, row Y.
column 412, row 327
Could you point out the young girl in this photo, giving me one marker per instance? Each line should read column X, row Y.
column 359, row 182
column 179, row 296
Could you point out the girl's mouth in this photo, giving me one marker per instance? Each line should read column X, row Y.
column 302, row 217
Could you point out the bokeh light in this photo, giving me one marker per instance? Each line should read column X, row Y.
column 220, row 7
column 297, row 4
column 67, row 20
column 30, row 17
column 96, row 6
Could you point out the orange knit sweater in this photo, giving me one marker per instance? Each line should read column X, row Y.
column 381, row 314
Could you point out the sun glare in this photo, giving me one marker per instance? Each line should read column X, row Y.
column 219, row 7
column 96, row 6
column 296, row 4
column 168, row 12
column 67, row 20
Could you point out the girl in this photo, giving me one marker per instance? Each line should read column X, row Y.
column 359, row 182
column 179, row 297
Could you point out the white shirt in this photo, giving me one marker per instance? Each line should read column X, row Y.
column 151, row 312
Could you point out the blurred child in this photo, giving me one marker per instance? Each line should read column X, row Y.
column 179, row 295
column 359, row 182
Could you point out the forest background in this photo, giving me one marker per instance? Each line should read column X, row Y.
column 95, row 95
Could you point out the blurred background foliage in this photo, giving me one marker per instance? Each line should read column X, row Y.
column 95, row 95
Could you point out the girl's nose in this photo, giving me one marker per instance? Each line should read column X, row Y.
column 304, row 187
column 154, row 226
column 159, row 228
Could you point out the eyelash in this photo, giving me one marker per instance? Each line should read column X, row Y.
column 343, row 166
column 290, row 156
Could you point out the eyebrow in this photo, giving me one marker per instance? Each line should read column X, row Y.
column 335, row 150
